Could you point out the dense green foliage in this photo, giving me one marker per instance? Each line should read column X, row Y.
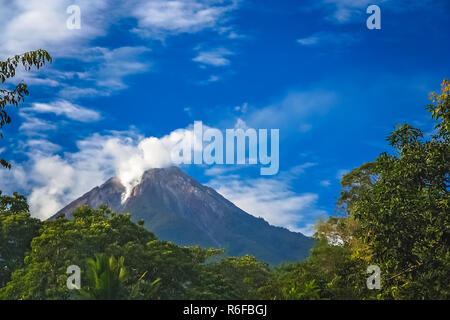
column 394, row 214
column 17, row 229
column 146, row 268
column 401, row 203
column 105, row 276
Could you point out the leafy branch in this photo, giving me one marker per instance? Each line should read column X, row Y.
column 37, row 59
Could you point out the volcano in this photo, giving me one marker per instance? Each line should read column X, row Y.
column 178, row 208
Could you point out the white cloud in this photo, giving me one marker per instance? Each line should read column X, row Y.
column 325, row 183
column 297, row 170
column 349, row 11
column 34, row 126
column 213, row 78
column 234, row 35
column 309, row 41
column 105, row 71
column 215, row 57
column 33, row 24
column 53, row 179
column 146, row 154
column 58, row 176
column 345, row 11
column 243, row 108
column 218, row 170
column 66, row 108
column 71, row 92
column 35, row 77
column 13, row 180
column 292, row 110
column 41, row 146
column 116, row 64
column 158, row 18
column 320, row 39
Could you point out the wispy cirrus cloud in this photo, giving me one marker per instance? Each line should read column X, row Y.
column 216, row 57
column 103, row 71
column 40, row 146
column 346, row 11
column 327, row 39
column 112, row 66
column 32, row 126
column 325, row 183
column 64, row 108
column 353, row 11
column 293, row 110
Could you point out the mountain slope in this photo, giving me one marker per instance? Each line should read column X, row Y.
column 177, row 208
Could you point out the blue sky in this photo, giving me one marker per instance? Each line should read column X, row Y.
column 138, row 73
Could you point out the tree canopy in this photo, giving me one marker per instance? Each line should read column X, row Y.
column 401, row 203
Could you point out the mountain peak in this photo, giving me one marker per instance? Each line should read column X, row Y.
column 113, row 183
column 167, row 174
column 171, row 179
